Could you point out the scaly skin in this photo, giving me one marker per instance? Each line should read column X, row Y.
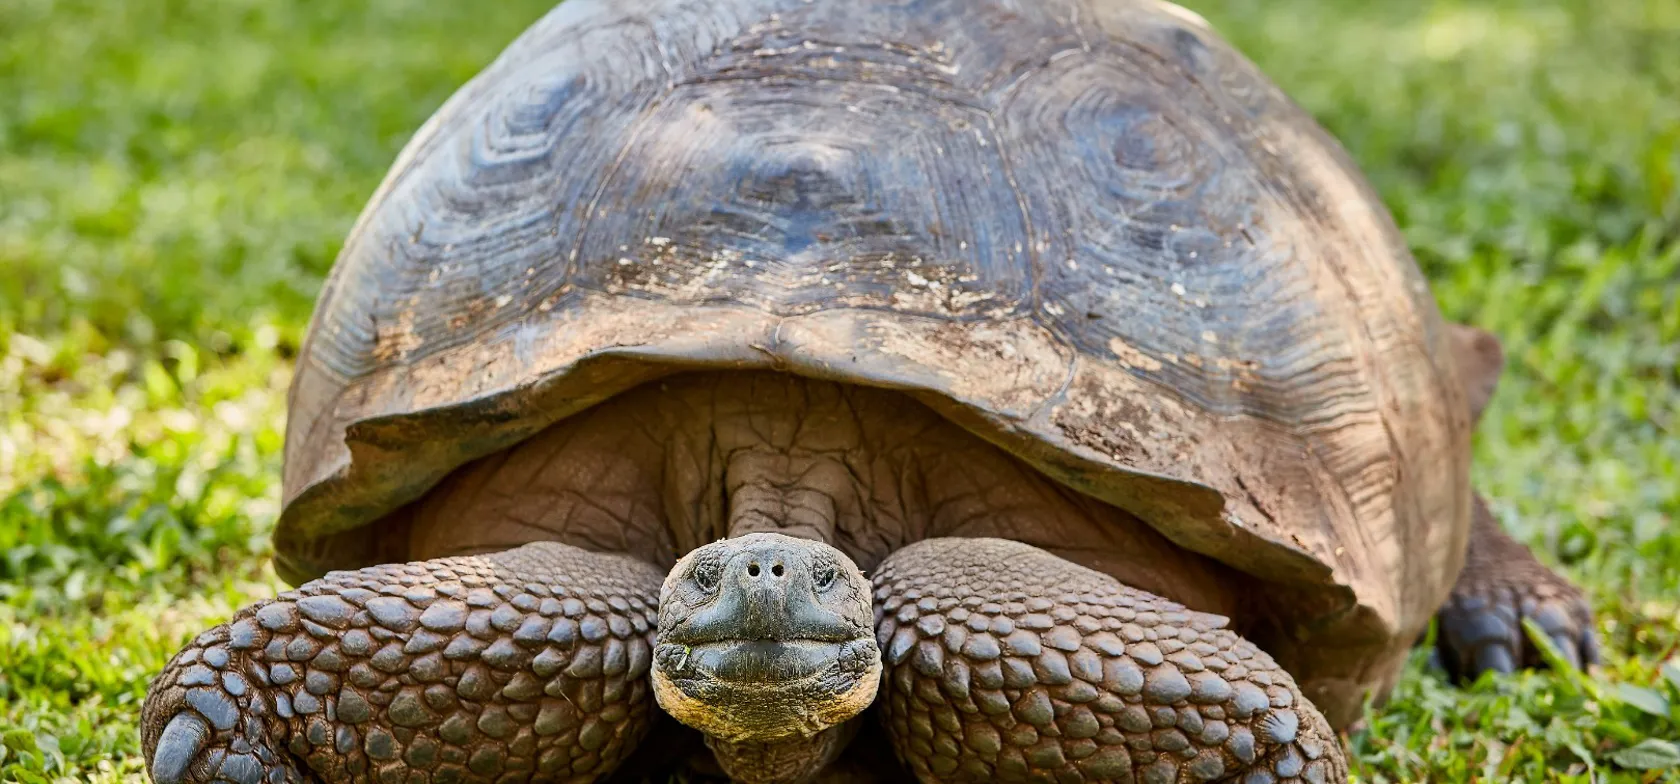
column 1480, row 626
column 529, row 664
column 796, row 759
column 1006, row 663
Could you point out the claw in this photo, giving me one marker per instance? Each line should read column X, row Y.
column 1589, row 647
column 1437, row 663
column 1552, row 617
column 177, row 747
column 1567, row 649
column 1494, row 657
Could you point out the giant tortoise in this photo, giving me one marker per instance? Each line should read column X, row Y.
column 969, row 390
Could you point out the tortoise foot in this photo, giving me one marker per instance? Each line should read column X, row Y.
column 199, row 727
column 529, row 664
column 1006, row 663
column 1480, row 626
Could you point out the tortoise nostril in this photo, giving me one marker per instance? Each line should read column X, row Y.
column 776, row 570
column 752, row 569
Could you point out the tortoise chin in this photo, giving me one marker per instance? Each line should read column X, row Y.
column 763, row 690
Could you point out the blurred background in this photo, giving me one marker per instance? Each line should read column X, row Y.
column 176, row 178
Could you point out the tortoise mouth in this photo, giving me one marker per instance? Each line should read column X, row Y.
column 766, row 663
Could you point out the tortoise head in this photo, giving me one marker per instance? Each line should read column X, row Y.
column 764, row 637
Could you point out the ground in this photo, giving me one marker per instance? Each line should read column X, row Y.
column 176, row 177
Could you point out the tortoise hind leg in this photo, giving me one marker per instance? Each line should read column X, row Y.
column 525, row 664
column 1480, row 626
column 1006, row 663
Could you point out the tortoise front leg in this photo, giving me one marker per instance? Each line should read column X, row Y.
column 1006, row 663
column 521, row 665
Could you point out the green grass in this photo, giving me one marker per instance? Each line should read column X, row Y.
column 176, row 177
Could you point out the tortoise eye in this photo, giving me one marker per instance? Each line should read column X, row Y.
column 707, row 573
column 825, row 577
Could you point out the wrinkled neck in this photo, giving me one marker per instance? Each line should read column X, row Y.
column 776, row 491
column 787, row 761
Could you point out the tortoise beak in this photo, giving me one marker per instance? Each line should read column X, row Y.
column 763, row 637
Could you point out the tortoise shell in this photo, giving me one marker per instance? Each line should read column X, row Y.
column 1087, row 230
